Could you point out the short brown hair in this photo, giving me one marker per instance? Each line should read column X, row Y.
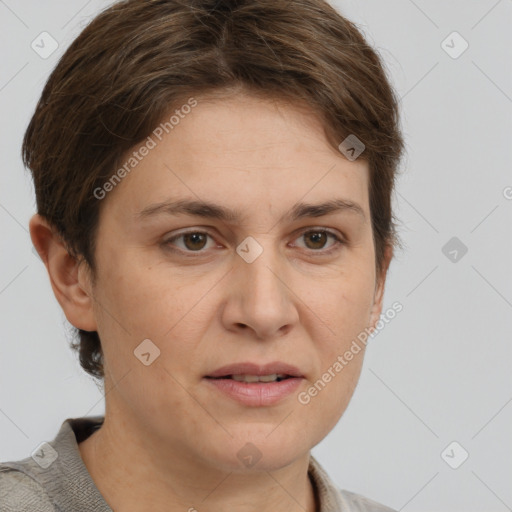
column 139, row 58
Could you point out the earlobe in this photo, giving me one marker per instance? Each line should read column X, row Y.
column 379, row 290
column 63, row 271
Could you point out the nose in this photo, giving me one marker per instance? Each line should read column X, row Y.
column 260, row 296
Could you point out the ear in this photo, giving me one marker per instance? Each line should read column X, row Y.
column 70, row 283
column 379, row 287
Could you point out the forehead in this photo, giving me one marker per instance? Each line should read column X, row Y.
column 243, row 151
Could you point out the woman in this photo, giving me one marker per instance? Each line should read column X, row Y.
column 213, row 184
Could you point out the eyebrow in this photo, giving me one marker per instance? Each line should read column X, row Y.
column 210, row 210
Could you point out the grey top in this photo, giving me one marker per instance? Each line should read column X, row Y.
column 55, row 479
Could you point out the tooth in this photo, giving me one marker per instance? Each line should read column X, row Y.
column 268, row 378
column 246, row 378
column 256, row 378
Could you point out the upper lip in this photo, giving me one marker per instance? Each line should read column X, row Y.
column 256, row 369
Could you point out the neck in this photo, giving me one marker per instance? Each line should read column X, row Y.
column 138, row 476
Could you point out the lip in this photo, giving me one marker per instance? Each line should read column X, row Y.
column 248, row 368
column 256, row 394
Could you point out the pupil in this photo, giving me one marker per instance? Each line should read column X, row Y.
column 316, row 237
column 194, row 237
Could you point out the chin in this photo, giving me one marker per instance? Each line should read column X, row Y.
column 257, row 450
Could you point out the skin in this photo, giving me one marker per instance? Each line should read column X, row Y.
column 169, row 442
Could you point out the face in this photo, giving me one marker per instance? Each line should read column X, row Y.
column 260, row 285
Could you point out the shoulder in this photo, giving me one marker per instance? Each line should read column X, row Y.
column 356, row 503
column 334, row 499
column 21, row 493
column 54, row 478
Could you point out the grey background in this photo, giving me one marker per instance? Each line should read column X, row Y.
column 440, row 371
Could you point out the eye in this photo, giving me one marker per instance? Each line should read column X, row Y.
column 193, row 241
column 317, row 238
column 196, row 241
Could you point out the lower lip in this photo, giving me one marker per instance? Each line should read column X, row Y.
column 256, row 394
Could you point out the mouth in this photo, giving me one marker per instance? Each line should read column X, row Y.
column 249, row 379
column 252, row 372
column 256, row 385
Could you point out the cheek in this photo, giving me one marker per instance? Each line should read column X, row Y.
column 339, row 313
column 325, row 400
column 147, row 302
column 139, row 304
column 339, row 310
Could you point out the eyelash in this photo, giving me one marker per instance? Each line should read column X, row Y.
column 192, row 254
